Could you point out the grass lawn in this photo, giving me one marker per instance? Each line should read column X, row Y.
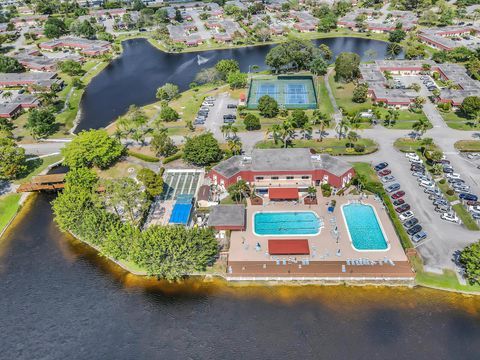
column 8, row 208
column 343, row 96
column 410, row 145
column 457, row 121
column 323, row 100
column 468, row 145
column 36, row 166
column 447, row 280
column 331, row 146
column 120, row 169
column 466, row 218
column 405, row 120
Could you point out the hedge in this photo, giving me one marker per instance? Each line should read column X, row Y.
column 143, row 156
column 174, row 157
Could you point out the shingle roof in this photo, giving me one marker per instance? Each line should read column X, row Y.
column 227, row 215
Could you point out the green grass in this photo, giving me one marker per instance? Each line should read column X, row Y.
column 468, row 145
column 36, row 166
column 324, row 103
column 8, row 208
column 405, row 120
column 343, row 96
column 331, row 146
column 410, row 145
column 448, row 280
column 456, row 120
column 466, row 218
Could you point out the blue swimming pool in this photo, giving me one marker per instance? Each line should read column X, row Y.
column 287, row 223
column 364, row 227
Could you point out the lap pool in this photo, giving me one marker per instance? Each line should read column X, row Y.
column 364, row 229
column 286, row 223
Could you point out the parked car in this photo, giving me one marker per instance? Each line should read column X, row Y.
column 461, row 189
column 231, row 106
column 476, row 216
column 439, row 202
column 416, row 162
column 417, row 168
column 442, row 208
column 393, row 187
column 453, row 176
column 402, row 208
column 450, row 217
column 381, row 166
column 474, row 209
column 447, row 170
column 414, row 229
column 467, row 196
column 229, row 116
column 384, row 172
column 398, row 194
column 411, row 222
column 398, row 202
column 419, row 236
column 418, row 173
column 456, row 181
column 412, row 155
column 388, row 178
column 432, row 191
column 426, row 183
column 406, row 216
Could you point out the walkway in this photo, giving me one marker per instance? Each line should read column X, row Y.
column 337, row 115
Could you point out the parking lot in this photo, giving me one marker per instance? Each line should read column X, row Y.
column 214, row 121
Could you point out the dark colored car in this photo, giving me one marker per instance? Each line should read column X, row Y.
column 231, row 106
column 398, row 202
column 398, row 194
column 468, row 197
column 402, row 208
column 419, row 168
column 393, row 187
column 381, row 166
column 384, row 172
column 414, row 229
column 411, row 222
column 448, row 170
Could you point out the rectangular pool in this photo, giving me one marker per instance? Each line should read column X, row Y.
column 365, row 231
column 287, row 223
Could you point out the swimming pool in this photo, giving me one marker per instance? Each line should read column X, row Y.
column 364, row 229
column 286, row 223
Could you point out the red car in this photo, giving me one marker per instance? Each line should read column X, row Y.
column 398, row 194
column 384, row 172
column 398, row 202
column 402, row 208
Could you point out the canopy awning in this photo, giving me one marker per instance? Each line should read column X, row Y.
column 288, row 247
column 283, row 193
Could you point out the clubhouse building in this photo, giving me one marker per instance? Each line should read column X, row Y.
column 282, row 173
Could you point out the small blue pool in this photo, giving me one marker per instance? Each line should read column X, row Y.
column 364, row 227
column 287, row 223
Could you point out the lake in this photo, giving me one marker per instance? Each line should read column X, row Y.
column 60, row 300
column 134, row 77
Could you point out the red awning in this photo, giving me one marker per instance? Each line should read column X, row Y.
column 283, row 193
column 288, row 247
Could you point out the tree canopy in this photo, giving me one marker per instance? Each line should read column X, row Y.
column 71, row 68
column 41, row 123
column 12, row 159
column 471, row 106
column 92, row 148
column 167, row 92
column 268, row 106
column 202, row 150
column 227, row 66
column 251, row 122
column 237, row 80
column 10, row 65
column 470, row 259
column 347, row 67
column 54, row 28
column 294, row 54
column 152, row 181
column 168, row 114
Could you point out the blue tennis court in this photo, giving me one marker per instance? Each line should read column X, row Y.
column 296, row 94
column 267, row 89
column 180, row 214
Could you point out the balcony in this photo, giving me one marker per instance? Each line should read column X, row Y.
column 283, row 183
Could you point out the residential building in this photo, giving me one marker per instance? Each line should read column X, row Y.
column 29, row 79
column 278, row 171
column 451, row 37
column 377, row 21
column 85, row 46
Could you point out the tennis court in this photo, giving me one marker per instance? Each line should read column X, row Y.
column 290, row 92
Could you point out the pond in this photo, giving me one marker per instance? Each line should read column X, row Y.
column 60, row 300
column 134, row 77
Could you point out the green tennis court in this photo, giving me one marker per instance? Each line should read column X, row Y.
column 290, row 92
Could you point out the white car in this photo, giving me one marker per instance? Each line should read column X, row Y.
column 450, row 217
column 475, row 209
column 412, row 156
column 426, row 183
column 416, row 162
column 406, row 215
column 453, row 176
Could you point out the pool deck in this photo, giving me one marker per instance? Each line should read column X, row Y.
column 329, row 256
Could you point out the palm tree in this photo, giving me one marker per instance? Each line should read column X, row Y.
column 307, row 130
column 312, row 192
column 421, row 126
column 321, row 119
column 352, row 136
column 226, row 130
column 287, row 129
column 7, row 95
column 342, row 128
column 235, row 145
column 275, row 131
column 233, row 131
column 393, row 49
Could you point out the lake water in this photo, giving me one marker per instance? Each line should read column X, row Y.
column 60, row 300
column 134, row 77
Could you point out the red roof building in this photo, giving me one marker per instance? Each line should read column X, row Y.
column 288, row 247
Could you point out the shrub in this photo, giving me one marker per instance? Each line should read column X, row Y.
column 172, row 158
column 450, row 192
column 442, row 181
column 143, row 156
column 360, row 148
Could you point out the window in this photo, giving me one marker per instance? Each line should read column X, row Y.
column 239, row 178
column 305, row 177
column 274, row 177
column 259, row 178
column 289, row 177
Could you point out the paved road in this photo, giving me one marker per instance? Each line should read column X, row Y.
column 43, row 148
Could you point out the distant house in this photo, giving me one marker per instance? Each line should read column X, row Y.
column 444, row 38
column 30, row 79
column 28, row 21
column 85, row 46
column 9, row 110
